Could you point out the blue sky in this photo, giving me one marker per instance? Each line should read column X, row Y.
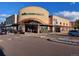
column 68, row 10
column 13, row 7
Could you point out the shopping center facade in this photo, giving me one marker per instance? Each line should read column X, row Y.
column 37, row 19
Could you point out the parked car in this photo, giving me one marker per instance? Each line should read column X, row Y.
column 73, row 33
column 10, row 30
column 3, row 32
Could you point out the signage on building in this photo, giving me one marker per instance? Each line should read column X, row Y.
column 32, row 14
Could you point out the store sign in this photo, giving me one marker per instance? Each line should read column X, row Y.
column 32, row 14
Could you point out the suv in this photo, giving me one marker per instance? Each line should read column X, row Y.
column 73, row 33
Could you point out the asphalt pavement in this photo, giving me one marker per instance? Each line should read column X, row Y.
column 36, row 45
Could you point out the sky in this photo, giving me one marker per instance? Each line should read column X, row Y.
column 69, row 10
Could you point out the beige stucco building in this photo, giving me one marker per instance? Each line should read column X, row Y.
column 60, row 24
column 31, row 17
column 34, row 13
column 37, row 19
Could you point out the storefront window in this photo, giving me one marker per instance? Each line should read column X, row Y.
column 63, row 23
column 44, row 28
column 56, row 22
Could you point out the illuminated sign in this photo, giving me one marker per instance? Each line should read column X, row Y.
column 32, row 14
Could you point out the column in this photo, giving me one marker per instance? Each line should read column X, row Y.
column 50, row 28
column 38, row 30
column 23, row 27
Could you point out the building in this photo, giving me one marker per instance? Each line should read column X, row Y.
column 72, row 25
column 11, row 22
column 34, row 19
column 37, row 19
column 60, row 24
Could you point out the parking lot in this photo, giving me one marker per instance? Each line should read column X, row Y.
column 37, row 45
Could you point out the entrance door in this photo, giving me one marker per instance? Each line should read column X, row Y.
column 31, row 28
column 57, row 29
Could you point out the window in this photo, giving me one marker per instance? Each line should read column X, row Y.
column 60, row 23
column 63, row 23
column 56, row 22
column 66, row 24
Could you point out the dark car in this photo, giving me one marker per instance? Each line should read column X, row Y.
column 73, row 33
column 3, row 32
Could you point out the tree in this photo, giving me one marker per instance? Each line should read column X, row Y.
column 77, row 24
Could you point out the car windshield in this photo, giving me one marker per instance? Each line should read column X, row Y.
column 74, row 31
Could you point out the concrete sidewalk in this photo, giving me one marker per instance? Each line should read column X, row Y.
column 37, row 34
column 56, row 39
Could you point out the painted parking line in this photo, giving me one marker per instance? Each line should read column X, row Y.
column 45, row 37
column 1, row 40
column 9, row 38
column 42, row 36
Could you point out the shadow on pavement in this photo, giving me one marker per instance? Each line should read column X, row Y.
column 49, row 40
column 65, row 42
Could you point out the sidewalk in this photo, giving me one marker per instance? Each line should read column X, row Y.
column 54, row 39
column 63, row 40
column 35, row 34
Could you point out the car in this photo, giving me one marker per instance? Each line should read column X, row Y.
column 3, row 32
column 73, row 33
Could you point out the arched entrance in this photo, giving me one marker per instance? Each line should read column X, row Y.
column 31, row 17
column 32, row 26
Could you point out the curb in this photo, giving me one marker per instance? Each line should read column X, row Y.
column 60, row 34
column 65, row 42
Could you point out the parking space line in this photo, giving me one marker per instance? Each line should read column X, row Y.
column 9, row 38
column 1, row 40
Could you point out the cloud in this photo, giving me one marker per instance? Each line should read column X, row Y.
column 69, row 15
column 72, row 3
column 4, row 15
column 2, row 20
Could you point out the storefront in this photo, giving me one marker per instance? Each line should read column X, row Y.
column 11, row 23
column 34, row 19
column 37, row 19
